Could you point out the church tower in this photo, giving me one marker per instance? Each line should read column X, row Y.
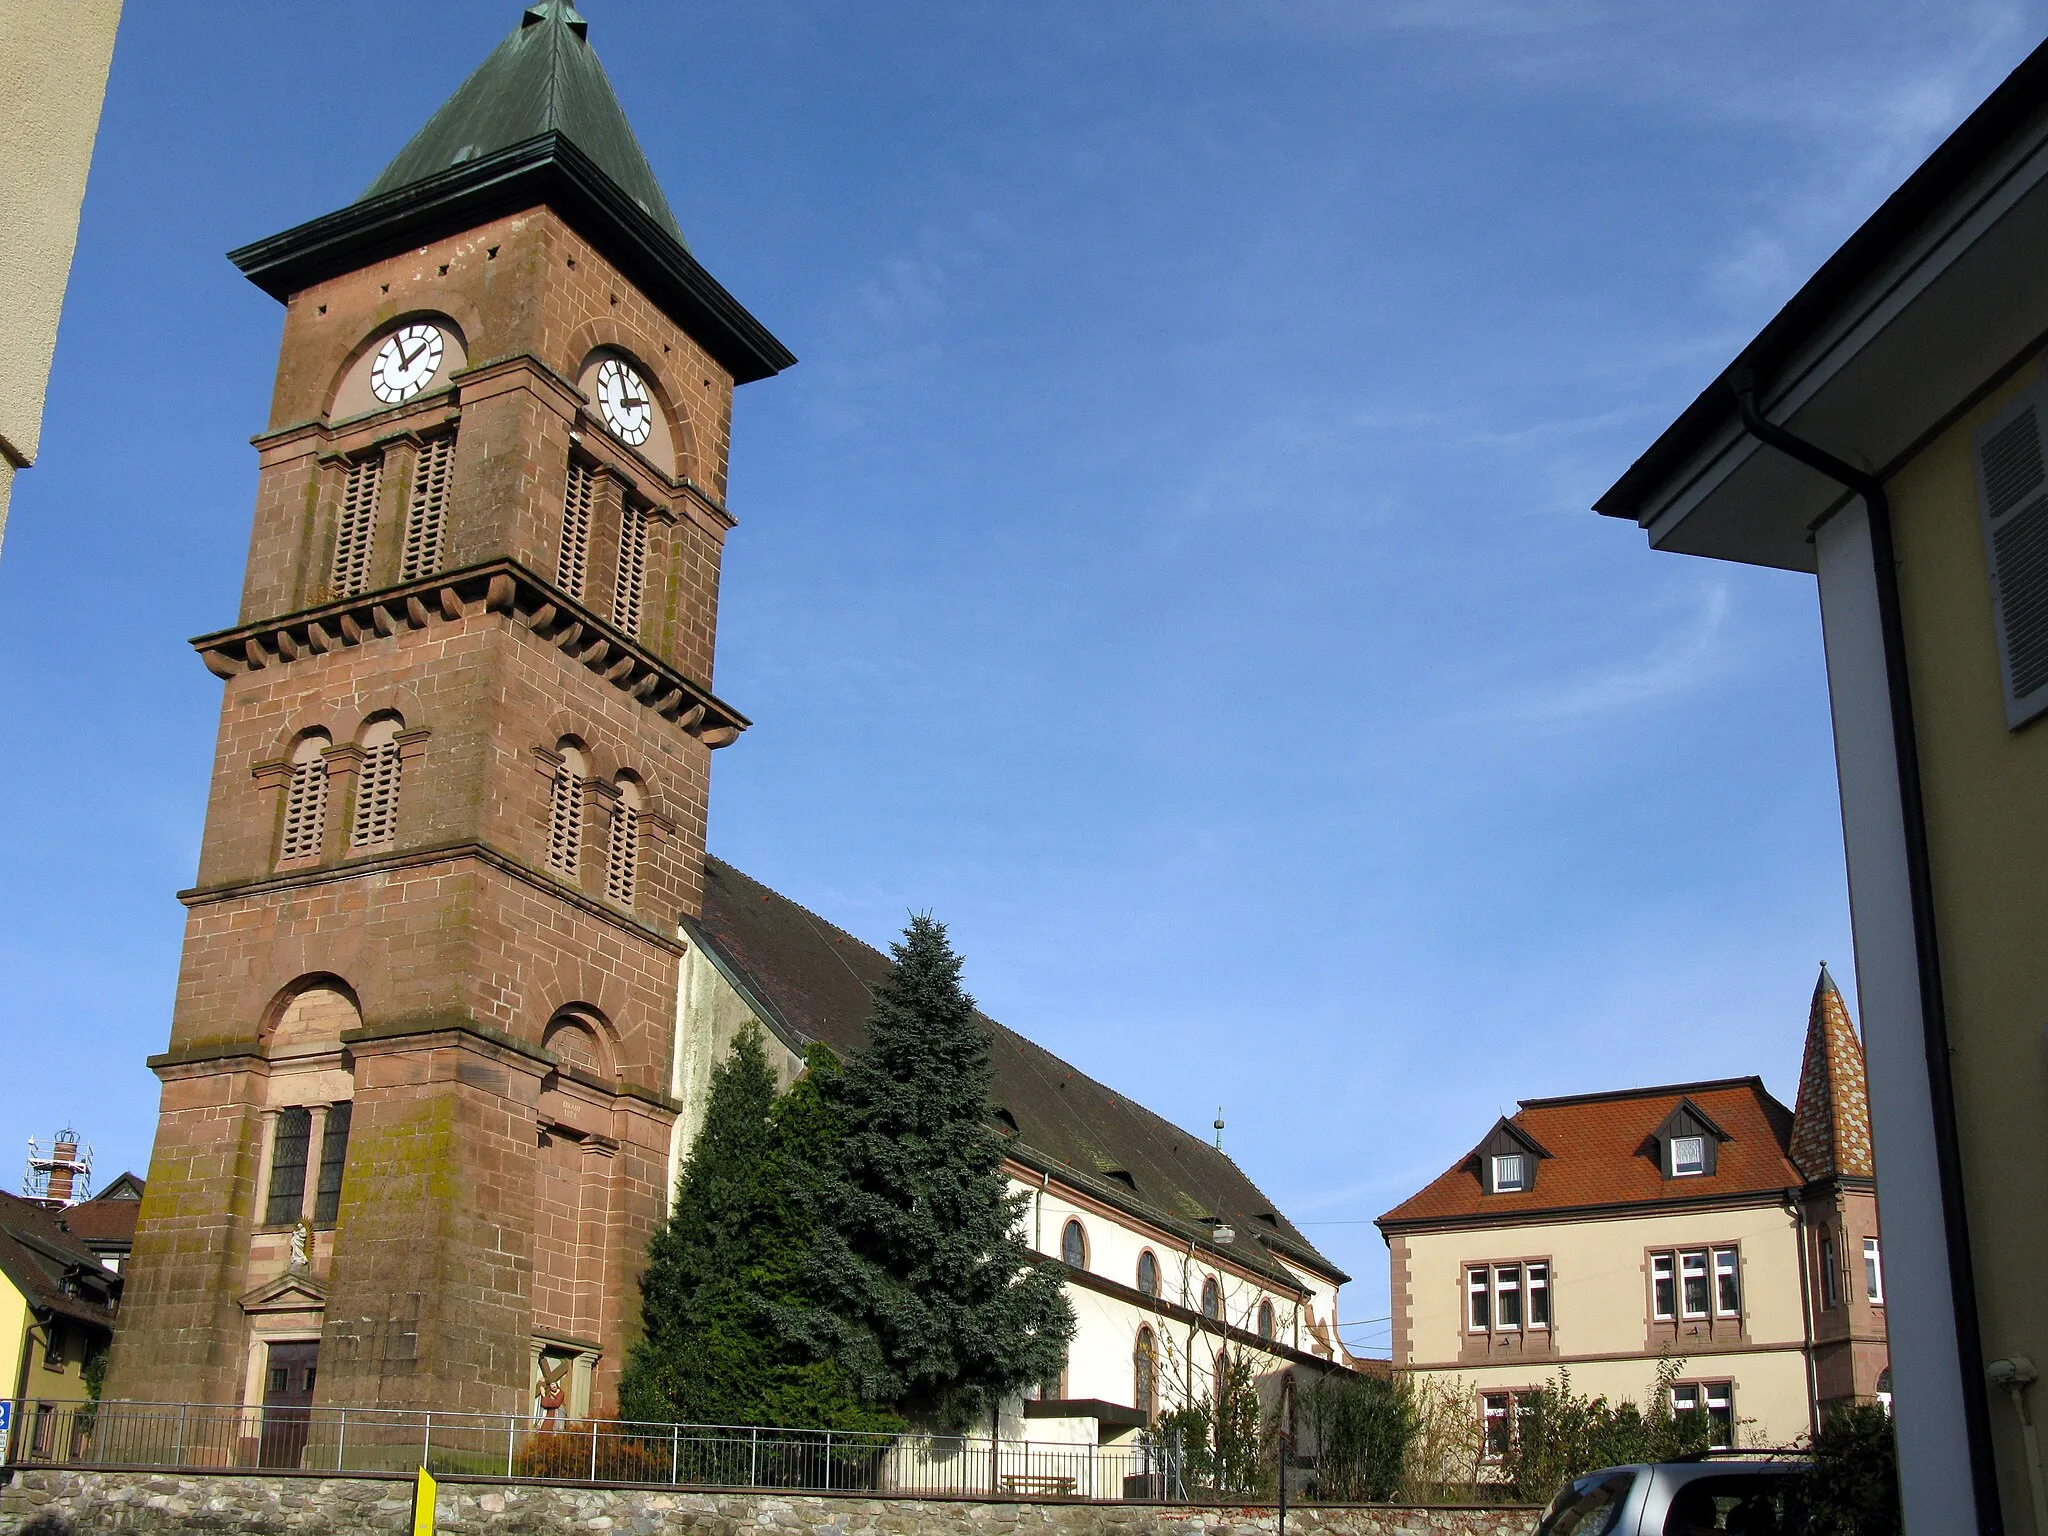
column 415, row 1127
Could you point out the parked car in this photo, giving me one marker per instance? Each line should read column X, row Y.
column 1739, row 1492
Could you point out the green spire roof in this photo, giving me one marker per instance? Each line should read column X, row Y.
column 543, row 78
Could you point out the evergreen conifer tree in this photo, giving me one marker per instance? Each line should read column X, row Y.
column 930, row 1300
column 735, row 1248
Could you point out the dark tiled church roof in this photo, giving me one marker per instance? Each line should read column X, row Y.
column 810, row 980
column 544, row 78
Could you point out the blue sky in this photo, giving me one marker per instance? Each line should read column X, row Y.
column 1169, row 563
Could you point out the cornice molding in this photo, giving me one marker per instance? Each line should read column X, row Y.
column 547, row 170
column 413, row 858
column 498, row 586
column 1621, row 1210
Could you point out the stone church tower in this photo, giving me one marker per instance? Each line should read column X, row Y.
column 415, row 1130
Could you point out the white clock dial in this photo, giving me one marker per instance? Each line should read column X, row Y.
column 622, row 396
column 406, row 363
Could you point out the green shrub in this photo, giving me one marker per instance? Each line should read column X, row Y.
column 1854, row 1487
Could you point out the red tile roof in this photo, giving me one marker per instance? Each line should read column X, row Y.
column 1601, row 1155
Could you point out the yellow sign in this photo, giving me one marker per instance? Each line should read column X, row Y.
column 423, row 1504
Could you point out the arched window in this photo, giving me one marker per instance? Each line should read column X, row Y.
column 632, row 582
column 355, row 531
column 1212, row 1299
column 1266, row 1321
column 423, row 515
column 1074, row 1246
column 305, row 802
column 573, row 562
column 565, row 814
column 1145, row 1375
column 1148, row 1273
column 377, row 787
column 622, row 856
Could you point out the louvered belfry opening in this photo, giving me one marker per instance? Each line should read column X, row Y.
column 2013, row 488
column 376, row 819
column 424, row 513
column 626, row 596
column 305, row 803
column 355, row 531
column 573, row 564
column 622, row 857
column 565, row 815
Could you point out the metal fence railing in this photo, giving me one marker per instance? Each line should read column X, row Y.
column 343, row 1440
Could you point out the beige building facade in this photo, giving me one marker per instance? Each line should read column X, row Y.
column 53, row 77
column 1884, row 433
column 1701, row 1227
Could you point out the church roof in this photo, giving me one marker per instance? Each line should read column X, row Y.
column 543, row 78
column 812, row 980
column 1831, row 1125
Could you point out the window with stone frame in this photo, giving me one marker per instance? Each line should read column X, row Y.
column 1148, row 1274
column 1212, row 1299
column 1696, row 1284
column 290, row 1144
column 355, row 526
column 1145, row 1374
column 1074, row 1245
column 1510, row 1297
column 376, row 818
column 302, row 835
column 333, row 1159
column 1266, row 1321
column 1716, row 1399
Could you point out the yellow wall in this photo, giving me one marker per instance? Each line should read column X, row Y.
column 53, row 74
column 1986, row 796
column 1600, row 1305
column 14, row 1321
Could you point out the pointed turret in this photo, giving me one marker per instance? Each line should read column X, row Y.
column 544, row 78
column 1831, row 1125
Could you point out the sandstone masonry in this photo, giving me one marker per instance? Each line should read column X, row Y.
column 147, row 1503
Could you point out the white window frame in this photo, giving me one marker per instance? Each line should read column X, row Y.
column 1537, row 1283
column 1502, row 1185
column 1489, row 1416
column 1873, row 1272
column 1727, row 1267
column 1663, row 1272
column 1479, row 1298
column 1695, row 1263
column 1688, row 1167
column 1507, row 1292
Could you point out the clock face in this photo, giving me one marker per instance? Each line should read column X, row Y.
column 622, row 396
column 406, row 363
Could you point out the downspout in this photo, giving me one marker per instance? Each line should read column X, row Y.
column 1038, row 1213
column 1926, row 953
column 1796, row 1207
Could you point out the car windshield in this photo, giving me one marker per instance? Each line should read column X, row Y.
column 1753, row 1503
column 1587, row 1507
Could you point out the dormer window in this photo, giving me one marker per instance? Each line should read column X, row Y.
column 1687, row 1144
column 1506, row 1161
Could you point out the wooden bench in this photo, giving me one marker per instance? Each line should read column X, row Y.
column 1037, row 1482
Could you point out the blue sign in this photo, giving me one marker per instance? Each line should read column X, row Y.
column 6, row 1420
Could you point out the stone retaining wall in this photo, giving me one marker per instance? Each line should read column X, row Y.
column 57, row 1503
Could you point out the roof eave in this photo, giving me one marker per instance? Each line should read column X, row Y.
column 546, row 170
column 1703, row 448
